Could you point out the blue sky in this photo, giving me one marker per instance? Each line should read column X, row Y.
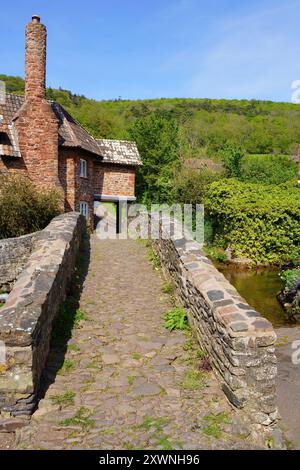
column 161, row 48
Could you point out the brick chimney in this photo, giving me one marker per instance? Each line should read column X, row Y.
column 36, row 122
column 35, row 73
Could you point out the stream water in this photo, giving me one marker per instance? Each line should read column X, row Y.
column 259, row 287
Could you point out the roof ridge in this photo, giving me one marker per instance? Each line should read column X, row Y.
column 116, row 140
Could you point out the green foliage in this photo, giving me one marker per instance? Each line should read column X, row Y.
column 176, row 319
column 81, row 418
column 80, row 316
column 259, row 222
column 68, row 317
column 168, row 288
column 232, row 158
column 216, row 253
column 190, row 186
column 13, row 84
column 215, row 422
column 65, row 399
column 259, row 126
column 291, row 277
column 268, row 169
column 67, row 366
column 194, row 380
column 157, row 139
column 23, row 208
column 154, row 259
column 136, row 356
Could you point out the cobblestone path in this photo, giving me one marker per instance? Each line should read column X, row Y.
column 127, row 382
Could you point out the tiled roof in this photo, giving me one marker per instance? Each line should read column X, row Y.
column 71, row 133
column 8, row 135
column 121, row 152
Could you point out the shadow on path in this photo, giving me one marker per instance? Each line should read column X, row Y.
column 68, row 316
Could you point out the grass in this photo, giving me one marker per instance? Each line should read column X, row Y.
column 154, row 259
column 66, row 399
column 155, row 426
column 136, row 356
column 73, row 347
column 80, row 316
column 81, row 418
column 67, row 366
column 282, row 341
column 168, row 288
column 194, row 380
column 176, row 319
column 131, row 379
column 215, row 422
column 150, row 422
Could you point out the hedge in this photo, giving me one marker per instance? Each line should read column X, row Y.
column 258, row 222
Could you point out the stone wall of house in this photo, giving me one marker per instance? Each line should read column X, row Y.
column 114, row 180
column 76, row 188
column 27, row 318
column 239, row 342
column 14, row 253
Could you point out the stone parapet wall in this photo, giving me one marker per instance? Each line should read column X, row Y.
column 27, row 318
column 239, row 341
column 14, row 253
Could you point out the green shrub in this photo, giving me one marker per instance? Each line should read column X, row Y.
column 190, row 186
column 291, row 277
column 290, row 295
column 232, row 157
column 268, row 169
column 24, row 209
column 176, row 319
column 258, row 222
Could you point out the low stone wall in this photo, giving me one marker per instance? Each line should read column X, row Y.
column 26, row 320
column 14, row 253
column 239, row 342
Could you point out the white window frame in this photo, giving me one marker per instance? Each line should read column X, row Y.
column 84, row 208
column 83, row 168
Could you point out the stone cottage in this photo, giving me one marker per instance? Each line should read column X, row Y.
column 40, row 139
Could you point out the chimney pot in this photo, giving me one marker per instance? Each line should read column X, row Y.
column 36, row 19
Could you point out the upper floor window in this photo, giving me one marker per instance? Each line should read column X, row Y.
column 83, row 168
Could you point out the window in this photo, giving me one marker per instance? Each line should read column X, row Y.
column 83, row 168
column 84, row 208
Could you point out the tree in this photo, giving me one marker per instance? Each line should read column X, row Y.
column 232, row 157
column 157, row 139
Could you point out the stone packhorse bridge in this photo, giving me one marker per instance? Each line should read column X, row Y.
column 96, row 391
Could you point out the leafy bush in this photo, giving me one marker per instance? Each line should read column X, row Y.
column 290, row 295
column 176, row 319
column 268, row 169
column 232, row 158
column 261, row 223
column 190, row 186
column 291, row 277
column 24, row 209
